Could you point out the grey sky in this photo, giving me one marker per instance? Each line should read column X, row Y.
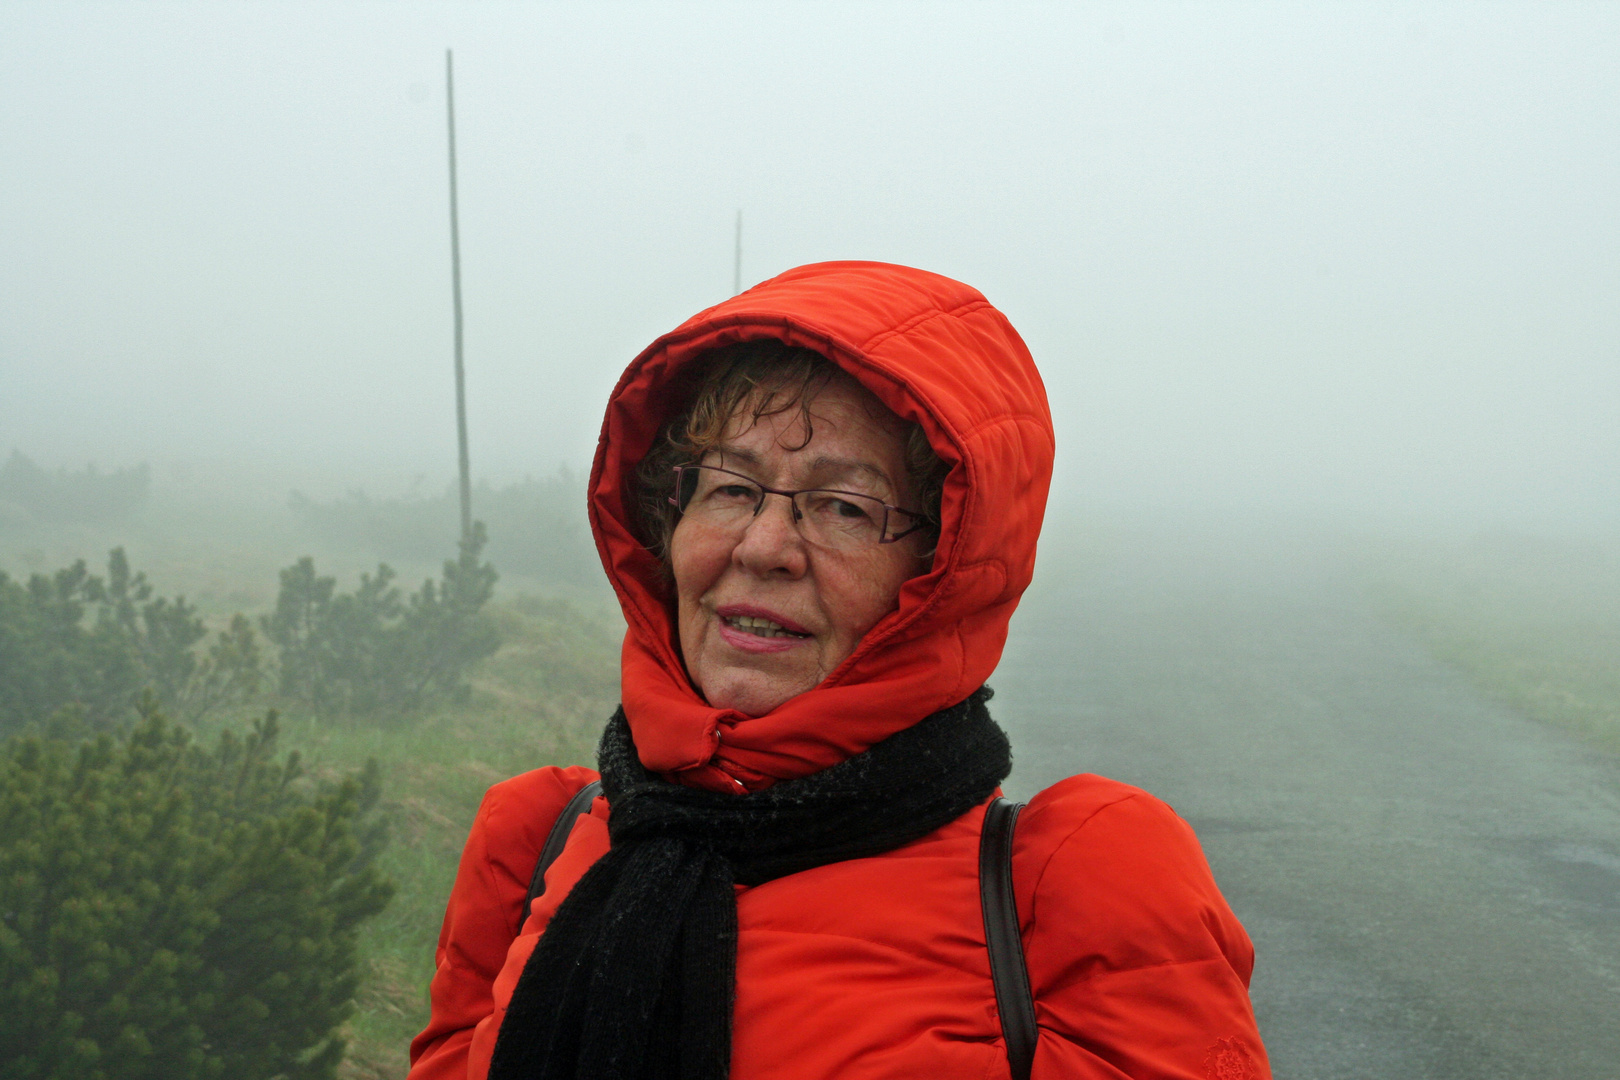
column 1349, row 255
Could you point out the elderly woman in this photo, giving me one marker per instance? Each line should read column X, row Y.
column 818, row 503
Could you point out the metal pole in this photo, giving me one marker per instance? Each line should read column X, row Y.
column 455, row 287
column 736, row 262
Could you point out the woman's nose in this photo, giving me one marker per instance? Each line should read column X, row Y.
column 772, row 542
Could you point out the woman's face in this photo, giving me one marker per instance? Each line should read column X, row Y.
column 816, row 602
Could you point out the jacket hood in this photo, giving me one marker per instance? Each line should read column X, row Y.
column 934, row 351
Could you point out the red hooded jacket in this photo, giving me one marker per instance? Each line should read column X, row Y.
column 877, row 967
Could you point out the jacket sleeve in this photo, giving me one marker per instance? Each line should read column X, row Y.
column 1138, row 966
column 482, row 916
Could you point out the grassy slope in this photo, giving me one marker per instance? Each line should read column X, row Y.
column 1536, row 624
column 540, row 701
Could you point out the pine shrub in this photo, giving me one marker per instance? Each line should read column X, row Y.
column 374, row 650
column 95, row 643
column 172, row 911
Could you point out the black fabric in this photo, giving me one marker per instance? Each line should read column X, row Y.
column 1002, row 935
column 635, row 976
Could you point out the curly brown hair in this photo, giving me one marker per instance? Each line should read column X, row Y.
column 764, row 377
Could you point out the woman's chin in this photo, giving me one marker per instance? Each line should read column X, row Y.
column 750, row 694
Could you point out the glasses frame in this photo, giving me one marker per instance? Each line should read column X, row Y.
column 921, row 520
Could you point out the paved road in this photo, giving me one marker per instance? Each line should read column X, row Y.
column 1432, row 882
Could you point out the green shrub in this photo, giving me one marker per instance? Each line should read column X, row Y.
column 373, row 649
column 170, row 911
column 88, row 497
column 72, row 638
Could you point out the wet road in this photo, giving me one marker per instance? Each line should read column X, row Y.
column 1432, row 882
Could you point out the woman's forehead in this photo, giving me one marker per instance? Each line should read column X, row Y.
column 842, row 422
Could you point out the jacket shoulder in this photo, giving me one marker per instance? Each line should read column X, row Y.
column 1126, row 933
column 548, row 787
column 1118, row 866
column 1070, row 803
column 517, row 815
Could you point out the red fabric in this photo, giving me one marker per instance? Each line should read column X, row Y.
column 481, row 919
column 877, row 967
column 934, row 351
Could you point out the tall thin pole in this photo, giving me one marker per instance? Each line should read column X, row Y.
column 736, row 262
column 455, row 287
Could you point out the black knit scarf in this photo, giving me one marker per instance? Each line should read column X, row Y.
column 635, row 976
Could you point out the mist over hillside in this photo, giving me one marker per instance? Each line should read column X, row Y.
column 1326, row 303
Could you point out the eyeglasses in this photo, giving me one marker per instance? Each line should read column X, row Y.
column 842, row 520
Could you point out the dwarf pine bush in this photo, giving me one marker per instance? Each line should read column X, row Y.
column 172, row 911
column 74, row 638
column 374, row 649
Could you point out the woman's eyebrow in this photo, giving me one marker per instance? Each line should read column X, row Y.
column 821, row 465
column 844, row 466
column 746, row 457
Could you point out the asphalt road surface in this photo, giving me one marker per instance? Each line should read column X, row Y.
column 1432, row 881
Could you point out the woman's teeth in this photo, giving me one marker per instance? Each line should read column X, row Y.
column 753, row 624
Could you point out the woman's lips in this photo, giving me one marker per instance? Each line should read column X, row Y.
column 756, row 630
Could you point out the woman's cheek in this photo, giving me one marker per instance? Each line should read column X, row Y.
column 867, row 597
column 695, row 563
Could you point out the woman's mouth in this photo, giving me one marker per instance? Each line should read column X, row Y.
column 751, row 631
column 762, row 627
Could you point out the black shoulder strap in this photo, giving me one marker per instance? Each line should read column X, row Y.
column 1014, row 1001
column 555, row 839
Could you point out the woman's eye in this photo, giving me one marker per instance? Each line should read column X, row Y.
column 735, row 491
column 845, row 511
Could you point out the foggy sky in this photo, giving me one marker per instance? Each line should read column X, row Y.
column 1352, row 256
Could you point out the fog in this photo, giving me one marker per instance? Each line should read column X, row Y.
column 1327, row 301
column 1354, row 261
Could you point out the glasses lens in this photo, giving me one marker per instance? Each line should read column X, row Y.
column 833, row 519
column 716, row 495
column 840, row 519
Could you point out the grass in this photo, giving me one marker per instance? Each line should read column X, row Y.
column 540, row 701
column 1533, row 623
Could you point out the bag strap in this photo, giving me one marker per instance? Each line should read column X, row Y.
column 555, row 841
column 1014, row 1001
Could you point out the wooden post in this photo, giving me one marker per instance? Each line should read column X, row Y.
column 455, row 288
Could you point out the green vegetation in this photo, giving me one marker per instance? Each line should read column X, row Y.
column 370, row 650
column 28, row 491
column 540, row 700
column 174, row 912
column 1534, row 623
column 72, row 638
column 430, row 696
